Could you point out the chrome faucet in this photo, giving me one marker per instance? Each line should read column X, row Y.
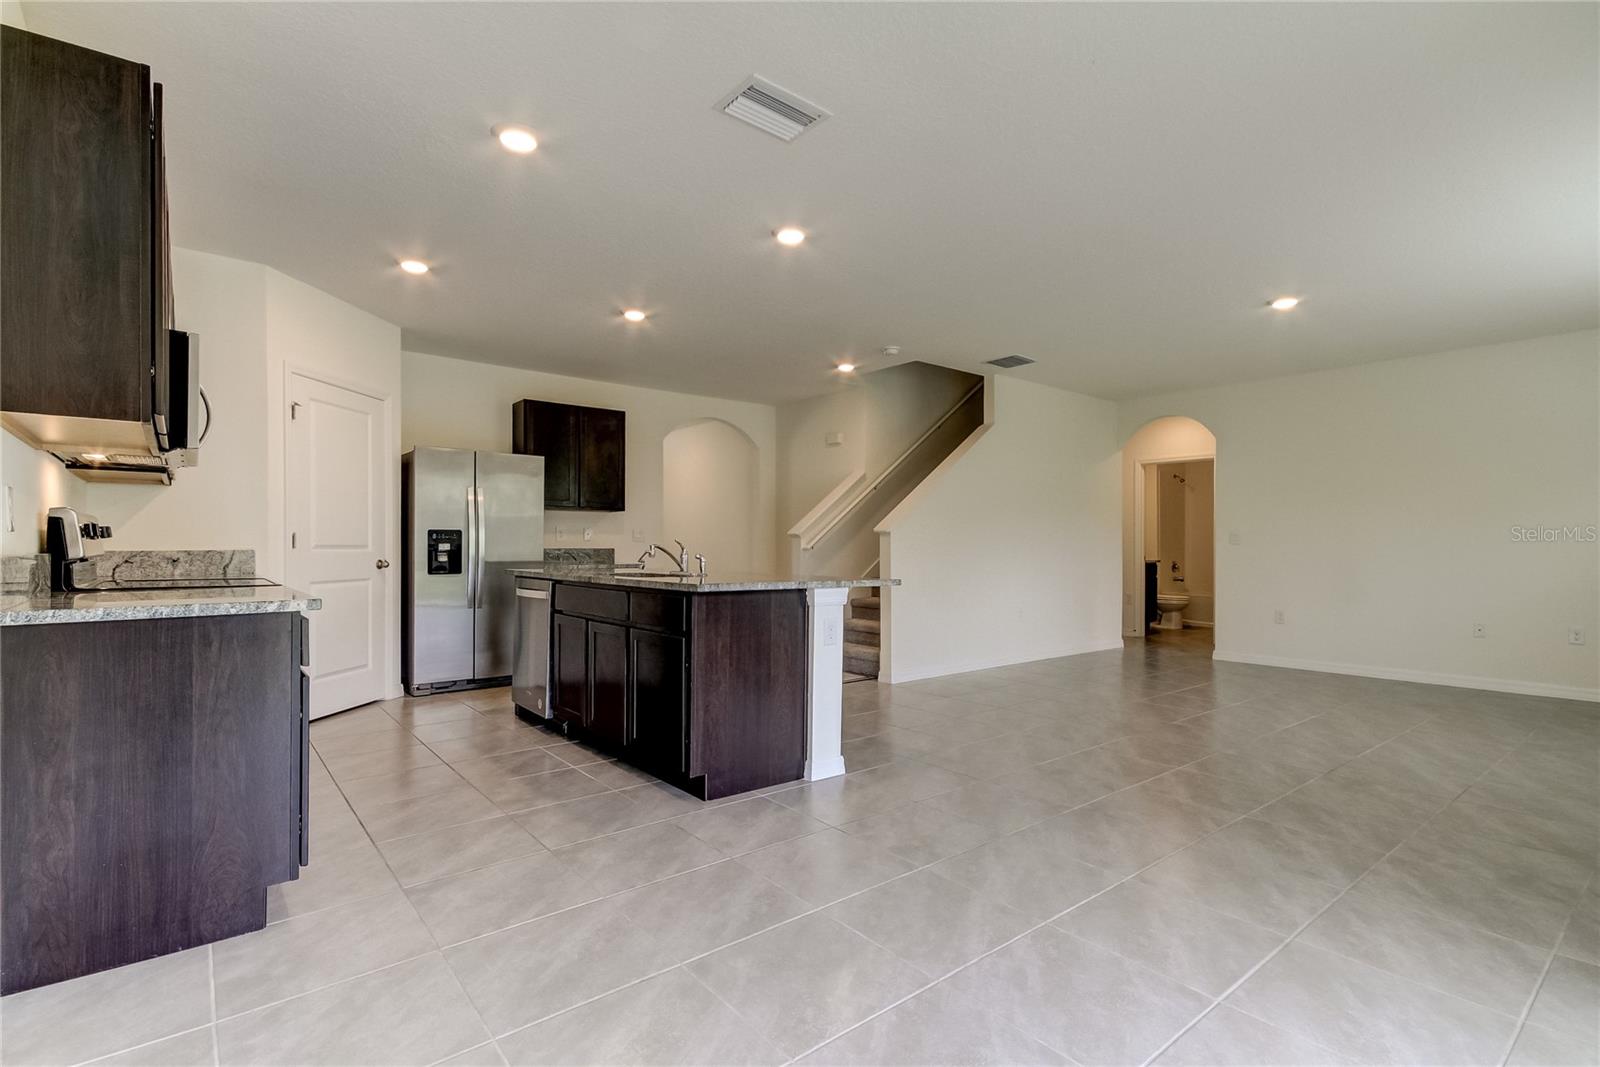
column 682, row 558
column 702, row 561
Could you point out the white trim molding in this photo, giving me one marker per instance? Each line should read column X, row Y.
column 1401, row 674
column 825, row 683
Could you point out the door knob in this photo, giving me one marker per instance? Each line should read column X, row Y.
column 383, row 564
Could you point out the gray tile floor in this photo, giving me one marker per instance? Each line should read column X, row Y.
column 1118, row 858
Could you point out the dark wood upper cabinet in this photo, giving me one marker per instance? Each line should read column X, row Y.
column 584, row 450
column 601, row 459
column 82, row 289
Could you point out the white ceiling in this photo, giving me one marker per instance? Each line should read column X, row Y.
column 1114, row 190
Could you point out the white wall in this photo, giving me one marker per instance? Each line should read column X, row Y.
column 1008, row 552
column 36, row 482
column 459, row 404
column 709, row 488
column 222, row 502
column 1374, row 506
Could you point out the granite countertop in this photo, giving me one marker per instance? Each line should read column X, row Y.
column 23, row 610
column 693, row 583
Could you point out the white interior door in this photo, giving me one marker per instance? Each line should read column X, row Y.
column 338, row 520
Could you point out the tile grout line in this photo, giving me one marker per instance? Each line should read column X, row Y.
column 1323, row 910
column 904, row 874
column 1544, row 973
column 1115, row 885
column 211, row 982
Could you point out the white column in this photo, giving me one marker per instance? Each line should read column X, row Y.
column 825, row 685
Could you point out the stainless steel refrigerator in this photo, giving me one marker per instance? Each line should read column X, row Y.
column 469, row 517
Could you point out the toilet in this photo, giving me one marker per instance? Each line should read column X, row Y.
column 1171, row 606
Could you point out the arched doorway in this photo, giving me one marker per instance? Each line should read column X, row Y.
column 709, row 471
column 1171, row 460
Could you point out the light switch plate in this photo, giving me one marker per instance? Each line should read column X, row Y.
column 588, row 533
column 1234, row 538
column 639, row 536
column 833, row 438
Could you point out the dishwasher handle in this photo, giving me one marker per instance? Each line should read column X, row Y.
column 533, row 594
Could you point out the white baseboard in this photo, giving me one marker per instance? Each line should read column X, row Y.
column 945, row 669
column 1400, row 674
column 828, row 767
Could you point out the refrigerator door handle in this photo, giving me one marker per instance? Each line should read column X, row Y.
column 483, row 551
column 472, row 548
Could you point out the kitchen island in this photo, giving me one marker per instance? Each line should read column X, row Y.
column 718, row 684
column 153, row 756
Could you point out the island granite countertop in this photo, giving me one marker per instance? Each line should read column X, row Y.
column 123, row 605
column 693, row 583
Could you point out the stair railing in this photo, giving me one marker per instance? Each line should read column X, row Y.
column 812, row 541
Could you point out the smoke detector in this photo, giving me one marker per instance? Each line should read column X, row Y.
column 1007, row 362
column 771, row 109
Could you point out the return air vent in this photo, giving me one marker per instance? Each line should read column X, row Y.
column 771, row 109
column 1007, row 362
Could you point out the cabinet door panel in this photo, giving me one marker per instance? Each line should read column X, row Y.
column 540, row 428
column 601, row 478
column 569, row 681
column 656, row 723
column 75, row 226
column 608, row 684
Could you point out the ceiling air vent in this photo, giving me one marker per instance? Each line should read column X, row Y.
column 771, row 109
column 1007, row 362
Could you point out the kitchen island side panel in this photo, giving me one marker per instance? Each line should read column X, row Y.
column 147, row 800
column 748, row 689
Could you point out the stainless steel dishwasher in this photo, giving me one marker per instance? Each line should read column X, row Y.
column 530, row 669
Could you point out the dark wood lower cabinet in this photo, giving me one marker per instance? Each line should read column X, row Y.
column 705, row 690
column 658, row 702
column 608, row 684
column 151, row 787
column 569, row 669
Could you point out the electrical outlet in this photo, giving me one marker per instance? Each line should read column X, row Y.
column 830, row 632
column 640, row 536
column 588, row 533
column 1127, row 600
column 1235, row 538
column 561, row 533
column 1575, row 636
column 1479, row 630
column 1277, row 617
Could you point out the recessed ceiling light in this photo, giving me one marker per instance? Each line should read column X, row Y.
column 845, row 368
column 1284, row 303
column 95, row 457
column 518, row 139
column 634, row 315
column 790, row 235
column 413, row 266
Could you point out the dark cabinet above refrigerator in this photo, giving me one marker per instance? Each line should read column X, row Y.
column 584, row 450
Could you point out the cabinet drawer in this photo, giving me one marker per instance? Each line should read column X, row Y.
column 593, row 602
column 659, row 611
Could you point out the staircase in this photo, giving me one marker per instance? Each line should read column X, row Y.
column 862, row 635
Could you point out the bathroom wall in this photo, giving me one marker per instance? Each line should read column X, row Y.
column 1198, row 531
column 1171, row 503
